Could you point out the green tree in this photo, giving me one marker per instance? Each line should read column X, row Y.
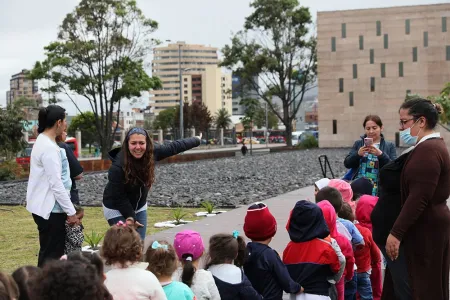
column 86, row 124
column 23, row 101
column 276, row 55
column 99, row 56
column 442, row 99
column 165, row 120
column 222, row 119
column 11, row 126
column 260, row 118
column 195, row 115
column 446, row 90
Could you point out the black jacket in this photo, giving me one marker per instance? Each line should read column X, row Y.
column 352, row 160
column 240, row 291
column 128, row 198
column 267, row 273
column 75, row 170
column 388, row 207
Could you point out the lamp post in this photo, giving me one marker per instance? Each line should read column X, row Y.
column 181, row 95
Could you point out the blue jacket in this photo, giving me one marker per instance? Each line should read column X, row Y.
column 240, row 291
column 357, row 238
column 352, row 160
column 267, row 273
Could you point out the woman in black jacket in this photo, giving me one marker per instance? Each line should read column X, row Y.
column 132, row 174
column 367, row 157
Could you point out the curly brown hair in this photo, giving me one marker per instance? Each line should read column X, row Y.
column 225, row 248
column 122, row 245
column 139, row 170
column 161, row 262
column 8, row 287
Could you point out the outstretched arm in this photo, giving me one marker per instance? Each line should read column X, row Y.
column 163, row 151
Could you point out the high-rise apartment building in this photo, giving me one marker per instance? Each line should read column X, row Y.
column 202, row 79
column 368, row 60
column 21, row 86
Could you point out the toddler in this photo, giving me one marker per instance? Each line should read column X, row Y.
column 74, row 233
column 320, row 184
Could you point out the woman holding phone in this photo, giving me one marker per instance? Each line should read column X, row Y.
column 370, row 153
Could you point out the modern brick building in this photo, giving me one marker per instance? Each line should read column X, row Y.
column 368, row 60
column 21, row 86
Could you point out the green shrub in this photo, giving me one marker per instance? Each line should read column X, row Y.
column 208, row 205
column 10, row 170
column 308, row 143
column 178, row 214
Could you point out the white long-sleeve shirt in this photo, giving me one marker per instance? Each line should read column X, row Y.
column 45, row 185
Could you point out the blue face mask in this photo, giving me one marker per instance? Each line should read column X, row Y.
column 407, row 138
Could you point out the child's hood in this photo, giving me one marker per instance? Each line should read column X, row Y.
column 364, row 209
column 329, row 215
column 227, row 272
column 306, row 222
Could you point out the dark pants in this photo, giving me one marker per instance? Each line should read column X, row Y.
column 141, row 217
column 52, row 235
column 398, row 273
column 350, row 289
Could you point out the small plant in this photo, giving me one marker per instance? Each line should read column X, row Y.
column 309, row 142
column 178, row 214
column 208, row 205
column 93, row 239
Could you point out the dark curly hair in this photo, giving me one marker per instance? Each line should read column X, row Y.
column 23, row 277
column 419, row 107
column 69, row 280
column 8, row 287
column 225, row 248
column 142, row 170
column 161, row 262
column 89, row 258
column 122, row 245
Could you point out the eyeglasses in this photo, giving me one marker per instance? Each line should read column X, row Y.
column 403, row 122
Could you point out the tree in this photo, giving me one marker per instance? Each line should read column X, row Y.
column 442, row 99
column 195, row 115
column 446, row 90
column 222, row 119
column 86, row 124
column 276, row 55
column 260, row 118
column 11, row 125
column 23, row 101
column 99, row 56
column 165, row 120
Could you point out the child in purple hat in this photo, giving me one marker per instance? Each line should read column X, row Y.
column 189, row 247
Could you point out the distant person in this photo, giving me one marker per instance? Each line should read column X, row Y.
column 370, row 153
column 132, row 174
column 244, row 149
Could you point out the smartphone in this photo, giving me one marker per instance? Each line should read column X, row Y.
column 368, row 142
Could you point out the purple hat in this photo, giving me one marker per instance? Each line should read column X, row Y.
column 188, row 243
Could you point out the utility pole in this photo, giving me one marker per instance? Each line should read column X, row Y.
column 181, row 94
column 267, row 127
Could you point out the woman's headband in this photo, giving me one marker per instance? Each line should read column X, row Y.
column 137, row 130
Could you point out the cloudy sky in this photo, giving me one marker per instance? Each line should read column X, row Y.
column 26, row 26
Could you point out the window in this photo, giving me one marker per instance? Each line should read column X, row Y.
column 344, row 30
column 185, row 79
column 341, row 85
column 408, row 92
column 361, row 42
column 372, row 84
column 448, row 53
column 378, row 28
column 355, row 71
column 186, row 98
column 350, row 98
column 334, row 126
column 372, row 56
column 383, row 70
column 185, row 85
column 386, row 41
column 400, row 69
column 414, row 54
column 407, row 26
column 444, row 24
column 333, row 44
column 425, row 39
column 185, row 92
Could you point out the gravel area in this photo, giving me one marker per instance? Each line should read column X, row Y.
column 227, row 182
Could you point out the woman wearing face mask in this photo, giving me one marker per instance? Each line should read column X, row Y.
column 47, row 198
column 132, row 174
column 370, row 153
column 423, row 225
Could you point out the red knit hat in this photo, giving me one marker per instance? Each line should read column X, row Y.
column 259, row 224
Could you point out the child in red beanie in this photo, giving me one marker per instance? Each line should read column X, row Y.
column 264, row 268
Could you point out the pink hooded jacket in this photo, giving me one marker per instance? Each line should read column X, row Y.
column 330, row 217
column 345, row 189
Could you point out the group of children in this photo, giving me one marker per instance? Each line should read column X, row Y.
column 331, row 255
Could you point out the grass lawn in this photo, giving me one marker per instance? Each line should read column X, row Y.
column 19, row 243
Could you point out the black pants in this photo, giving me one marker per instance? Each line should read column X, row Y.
column 52, row 235
column 398, row 274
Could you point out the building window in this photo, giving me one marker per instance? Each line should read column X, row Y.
column 386, row 41
column 378, row 28
column 448, row 53
column 341, row 85
column 408, row 92
column 361, row 42
column 185, row 92
column 372, row 84
column 185, row 86
column 383, row 70
column 372, row 56
column 186, row 98
column 407, row 26
column 333, row 44
column 344, row 30
column 334, row 126
column 185, row 79
column 350, row 98
column 425, row 39
column 444, row 24
column 355, row 71
column 400, row 69
column 414, row 54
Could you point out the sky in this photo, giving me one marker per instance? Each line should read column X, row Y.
column 27, row 26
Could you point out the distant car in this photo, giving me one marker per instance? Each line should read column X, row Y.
column 253, row 141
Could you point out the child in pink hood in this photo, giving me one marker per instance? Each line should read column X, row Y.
column 346, row 191
column 363, row 211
